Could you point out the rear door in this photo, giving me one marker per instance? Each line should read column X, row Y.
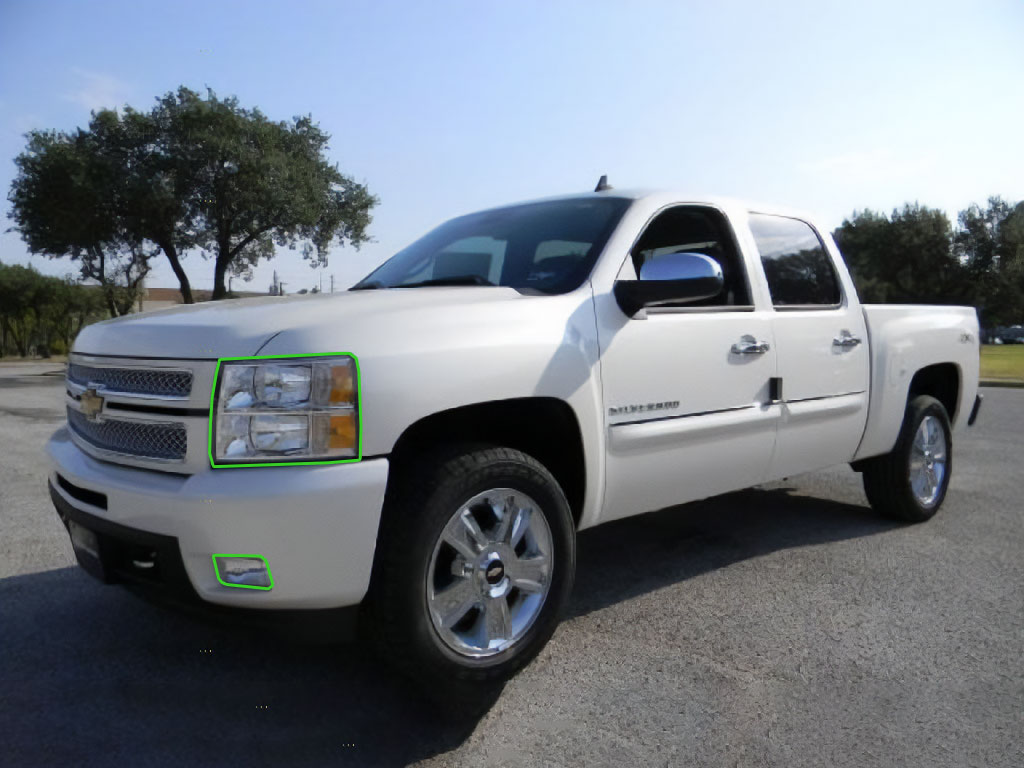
column 821, row 338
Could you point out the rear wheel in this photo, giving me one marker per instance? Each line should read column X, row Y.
column 476, row 563
column 910, row 482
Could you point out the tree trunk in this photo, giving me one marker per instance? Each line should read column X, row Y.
column 133, row 284
column 220, row 267
column 108, row 294
column 20, row 339
column 126, row 304
column 219, row 289
column 100, row 275
column 179, row 272
column 226, row 254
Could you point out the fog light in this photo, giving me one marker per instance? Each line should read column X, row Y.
column 246, row 571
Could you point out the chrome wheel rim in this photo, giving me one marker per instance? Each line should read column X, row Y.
column 490, row 572
column 928, row 461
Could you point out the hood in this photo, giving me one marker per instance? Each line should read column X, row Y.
column 241, row 327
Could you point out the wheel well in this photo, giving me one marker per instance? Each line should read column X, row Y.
column 546, row 428
column 941, row 381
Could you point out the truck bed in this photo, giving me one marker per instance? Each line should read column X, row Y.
column 904, row 339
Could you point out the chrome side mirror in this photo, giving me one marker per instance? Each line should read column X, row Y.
column 669, row 279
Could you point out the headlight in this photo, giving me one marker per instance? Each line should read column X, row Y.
column 285, row 410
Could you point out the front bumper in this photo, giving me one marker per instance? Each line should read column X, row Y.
column 315, row 525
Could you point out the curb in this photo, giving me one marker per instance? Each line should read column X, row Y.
column 1008, row 383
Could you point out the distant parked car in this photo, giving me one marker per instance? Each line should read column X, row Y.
column 1013, row 334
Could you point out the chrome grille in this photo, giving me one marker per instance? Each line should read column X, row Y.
column 154, row 440
column 133, row 381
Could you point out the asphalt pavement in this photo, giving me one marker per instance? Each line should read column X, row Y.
column 786, row 625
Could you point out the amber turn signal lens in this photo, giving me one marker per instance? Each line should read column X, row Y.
column 342, row 385
column 342, row 432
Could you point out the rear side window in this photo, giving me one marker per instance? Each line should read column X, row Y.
column 799, row 270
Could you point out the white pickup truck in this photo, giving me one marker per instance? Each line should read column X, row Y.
column 421, row 449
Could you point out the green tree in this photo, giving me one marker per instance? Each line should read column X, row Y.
column 990, row 244
column 254, row 183
column 43, row 312
column 149, row 193
column 65, row 202
column 191, row 173
column 18, row 287
column 68, row 307
column 863, row 241
column 905, row 257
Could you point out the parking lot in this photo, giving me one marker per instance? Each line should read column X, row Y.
column 785, row 625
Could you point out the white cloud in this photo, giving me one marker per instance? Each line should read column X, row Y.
column 97, row 90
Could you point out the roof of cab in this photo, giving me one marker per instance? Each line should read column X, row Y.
column 662, row 197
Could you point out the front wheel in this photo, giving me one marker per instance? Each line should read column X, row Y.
column 910, row 482
column 476, row 563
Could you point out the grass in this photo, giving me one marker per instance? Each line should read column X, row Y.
column 1002, row 361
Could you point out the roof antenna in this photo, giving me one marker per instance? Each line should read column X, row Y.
column 603, row 185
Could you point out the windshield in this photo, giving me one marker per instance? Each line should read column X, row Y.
column 547, row 247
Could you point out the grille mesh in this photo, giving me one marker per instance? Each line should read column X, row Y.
column 135, row 381
column 154, row 440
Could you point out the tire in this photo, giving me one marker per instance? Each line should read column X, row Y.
column 907, row 483
column 428, row 546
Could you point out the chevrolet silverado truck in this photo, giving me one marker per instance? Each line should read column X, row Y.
column 420, row 450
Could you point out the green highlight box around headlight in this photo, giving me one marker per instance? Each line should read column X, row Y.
column 216, row 571
column 359, row 415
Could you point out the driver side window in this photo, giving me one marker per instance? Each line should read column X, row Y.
column 695, row 229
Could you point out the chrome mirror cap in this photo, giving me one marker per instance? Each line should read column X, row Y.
column 672, row 278
column 681, row 266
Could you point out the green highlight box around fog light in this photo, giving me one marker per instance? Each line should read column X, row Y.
column 211, row 446
column 216, row 571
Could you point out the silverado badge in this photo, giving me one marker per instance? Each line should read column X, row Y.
column 621, row 410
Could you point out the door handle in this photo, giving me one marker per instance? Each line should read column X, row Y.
column 748, row 345
column 846, row 340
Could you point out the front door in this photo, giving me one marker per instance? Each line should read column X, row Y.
column 686, row 388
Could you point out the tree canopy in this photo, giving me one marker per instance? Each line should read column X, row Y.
column 192, row 173
column 990, row 242
column 253, row 183
column 915, row 255
column 66, row 200
column 43, row 313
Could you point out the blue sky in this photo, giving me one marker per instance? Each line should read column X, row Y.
column 443, row 108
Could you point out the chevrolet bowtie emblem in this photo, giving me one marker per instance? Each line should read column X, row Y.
column 90, row 404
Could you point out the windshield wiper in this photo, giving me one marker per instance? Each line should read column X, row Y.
column 372, row 285
column 455, row 280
